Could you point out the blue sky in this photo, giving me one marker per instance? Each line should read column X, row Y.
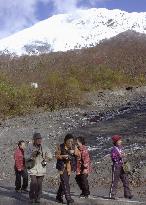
column 126, row 5
column 16, row 15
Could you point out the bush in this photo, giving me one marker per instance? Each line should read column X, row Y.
column 61, row 89
column 60, row 92
column 107, row 78
column 63, row 77
column 15, row 100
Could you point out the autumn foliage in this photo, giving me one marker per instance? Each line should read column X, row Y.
column 63, row 78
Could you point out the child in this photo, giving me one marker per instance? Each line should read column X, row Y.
column 83, row 168
column 20, row 170
column 117, row 156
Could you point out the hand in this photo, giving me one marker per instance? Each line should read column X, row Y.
column 71, row 151
column 35, row 153
column 85, row 171
column 123, row 154
column 65, row 156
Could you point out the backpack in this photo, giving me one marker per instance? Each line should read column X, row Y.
column 127, row 167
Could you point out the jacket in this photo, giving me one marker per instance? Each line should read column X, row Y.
column 19, row 159
column 116, row 155
column 44, row 153
column 62, row 164
column 83, row 161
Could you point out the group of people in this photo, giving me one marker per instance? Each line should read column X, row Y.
column 72, row 156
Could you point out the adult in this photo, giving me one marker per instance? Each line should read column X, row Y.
column 40, row 155
column 66, row 163
column 118, row 173
column 83, row 168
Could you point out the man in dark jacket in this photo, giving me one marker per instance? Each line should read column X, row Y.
column 20, row 170
column 66, row 163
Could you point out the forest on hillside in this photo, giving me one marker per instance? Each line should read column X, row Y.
column 64, row 77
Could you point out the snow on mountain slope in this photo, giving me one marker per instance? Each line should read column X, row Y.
column 83, row 28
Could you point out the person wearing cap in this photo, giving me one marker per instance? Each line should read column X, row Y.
column 41, row 156
column 117, row 156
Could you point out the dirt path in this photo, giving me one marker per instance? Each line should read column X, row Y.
column 9, row 197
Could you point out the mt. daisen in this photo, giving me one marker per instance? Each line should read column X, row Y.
column 81, row 29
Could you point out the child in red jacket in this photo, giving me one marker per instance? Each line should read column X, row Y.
column 20, row 170
column 83, row 168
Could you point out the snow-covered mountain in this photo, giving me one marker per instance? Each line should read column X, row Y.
column 83, row 28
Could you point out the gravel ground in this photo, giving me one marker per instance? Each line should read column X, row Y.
column 101, row 109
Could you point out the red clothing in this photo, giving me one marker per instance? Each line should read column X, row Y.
column 83, row 161
column 19, row 159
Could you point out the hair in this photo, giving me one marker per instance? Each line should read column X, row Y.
column 20, row 142
column 36, row 136
column 81, row 140
column 114, row 143
column 68, row 137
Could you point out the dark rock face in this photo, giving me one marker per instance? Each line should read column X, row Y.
column 38, row 47
column 129, row 88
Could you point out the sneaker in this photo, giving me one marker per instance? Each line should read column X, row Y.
column 24, row 190
column 32, row 201
column 82, row 196
column 59, row 200
column 70, row 201
column 87, row 196
column 128, row 197
column 37, row 201
column 112, row 198
column 18, row 190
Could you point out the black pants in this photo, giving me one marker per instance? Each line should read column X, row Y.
column 119, row 174
column 21, row 174
column 35, row 187
column 64, row 187
column 82, row 181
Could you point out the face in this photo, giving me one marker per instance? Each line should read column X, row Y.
column 69, row 143
column 39, row 141
column 79, row 143
column 22, row 146
column 119, row 142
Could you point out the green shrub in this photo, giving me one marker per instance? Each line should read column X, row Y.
column 61, row 88
column 141, row 79
column 15, row 100
column 59, row 92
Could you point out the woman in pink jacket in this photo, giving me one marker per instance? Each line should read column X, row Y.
column 83, row 168
column 20, row 170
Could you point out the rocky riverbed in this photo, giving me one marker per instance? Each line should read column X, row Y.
column 105, row 113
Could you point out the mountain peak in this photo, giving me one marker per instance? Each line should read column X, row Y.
column 82, row 28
